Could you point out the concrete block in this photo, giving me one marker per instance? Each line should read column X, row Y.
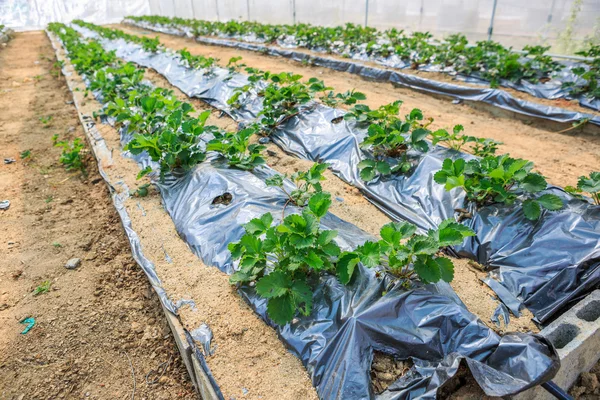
column 576, row 336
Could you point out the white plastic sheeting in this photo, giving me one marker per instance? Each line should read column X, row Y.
column 36, row 14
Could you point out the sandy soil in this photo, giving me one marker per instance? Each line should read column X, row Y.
column 94, row 317
column 560, row 157
column 250, row 361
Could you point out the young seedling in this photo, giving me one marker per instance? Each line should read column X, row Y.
column 26, row 154
column 404, row 253
column 482, row 147
column 44, row 287
column 495, row 179
column 348, row 98
column 237, row 150
column 587, row 184
column 296, row 250
column 174, row 145
column 46, row 121
column 71, row 156
column 393, row 139
column 307, row 184
column 141, row 191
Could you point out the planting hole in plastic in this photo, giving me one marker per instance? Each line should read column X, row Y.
column 224, row 199
column 590, row 312
column 563, row 335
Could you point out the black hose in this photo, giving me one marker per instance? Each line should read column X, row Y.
column 556, row 391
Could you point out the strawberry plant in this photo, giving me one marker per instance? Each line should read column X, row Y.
column 174, row 145
column 590, row 75
column 390, row 142
column 197, row 61
column 282, row 99
column 482, row 147
column 71, row 156
column 234, row 65
column 384, row 115
column 307, row 183
column 348, row 98
column 296, row 251
column 485, row 147
column 404, row 253
column 587, row 184
column 236, row 148
column 499, row 179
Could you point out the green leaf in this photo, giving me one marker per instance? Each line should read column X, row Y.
column 427, row 269
column 281, row 310
column 419, row 134
column 369, row 254
column 531, row 209
column 368, row 174
column 550, row 202
column 446, row 268
column 366, row 163
column 319, row 204
column 313, row 260
column 326, row 236
column 275, row 284
column 302, row 296
column 449, row 237
column 345, row 266
column 384, row 168
column 258, row 226
column 395, row 231
column 534, row 183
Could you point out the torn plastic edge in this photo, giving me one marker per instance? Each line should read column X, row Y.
column 100, row 152
column 495, row 97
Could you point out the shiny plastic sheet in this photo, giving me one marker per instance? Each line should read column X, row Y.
column 496, row 97
column 543, row 265
column 428, row 324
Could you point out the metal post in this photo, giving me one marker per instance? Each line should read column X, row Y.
column 193, row 9
column 421, row 16
column 366, row 12
column 294, row 11
column 491, row 28
column 248, row 8
column 217, row 6
column 551, row 11
column 174, row 8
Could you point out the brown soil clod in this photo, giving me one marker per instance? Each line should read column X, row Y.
column 386, row 370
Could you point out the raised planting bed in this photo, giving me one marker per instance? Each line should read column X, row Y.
column 395, row 183
column 366, row 66
column 342, row 311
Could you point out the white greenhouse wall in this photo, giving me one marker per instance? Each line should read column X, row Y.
column 516, row 22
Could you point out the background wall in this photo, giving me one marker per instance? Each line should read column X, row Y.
column 516, row 22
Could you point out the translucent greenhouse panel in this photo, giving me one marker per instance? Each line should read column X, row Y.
column 36, row 14
column 232, row 9
column 545, row 22
column 389, row 14
column 330, row 13
column 280, row 12
column 202, row 9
